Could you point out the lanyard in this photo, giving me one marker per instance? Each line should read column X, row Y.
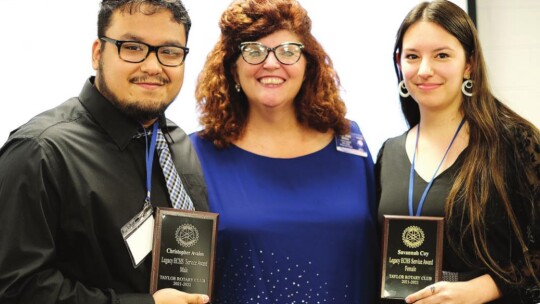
column 150, row 159
column 411, row 176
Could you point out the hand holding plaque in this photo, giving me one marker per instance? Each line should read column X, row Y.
column 412, row 255
column 184, row 251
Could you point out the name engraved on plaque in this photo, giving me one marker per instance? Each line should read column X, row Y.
column 185, row 262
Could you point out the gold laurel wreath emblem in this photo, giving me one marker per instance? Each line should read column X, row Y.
column 187, row 235
column 413, row 236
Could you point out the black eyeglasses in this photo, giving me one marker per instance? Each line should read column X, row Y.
column 135, row 52
column 286, row 53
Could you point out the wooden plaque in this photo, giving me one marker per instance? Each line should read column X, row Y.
column 184, row 251
column 411, row 255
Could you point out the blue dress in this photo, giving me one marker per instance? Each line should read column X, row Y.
column 297, row 230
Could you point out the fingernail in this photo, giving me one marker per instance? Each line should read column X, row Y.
column 205, row 299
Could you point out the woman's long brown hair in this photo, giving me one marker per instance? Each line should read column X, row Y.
column 493, row 153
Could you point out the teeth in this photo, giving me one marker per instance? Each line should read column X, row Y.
column 271, row 80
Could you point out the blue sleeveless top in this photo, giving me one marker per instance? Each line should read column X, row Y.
column 297, row 230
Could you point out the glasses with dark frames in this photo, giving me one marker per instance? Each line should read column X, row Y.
column 135, row 52
column 286, row 53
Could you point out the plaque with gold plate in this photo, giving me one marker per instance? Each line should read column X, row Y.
column 411, row 255
column 184, row 251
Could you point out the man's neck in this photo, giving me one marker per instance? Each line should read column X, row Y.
column 149, row 123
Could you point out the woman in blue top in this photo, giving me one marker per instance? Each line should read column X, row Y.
column 290, row 177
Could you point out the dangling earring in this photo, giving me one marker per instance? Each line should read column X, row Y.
column 237, row 87
column 403, row 92
column 466, row 87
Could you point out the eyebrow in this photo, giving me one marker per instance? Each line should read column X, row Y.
column 132, row 37
column 444, row 48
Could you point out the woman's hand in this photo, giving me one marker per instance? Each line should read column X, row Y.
column 478, row 290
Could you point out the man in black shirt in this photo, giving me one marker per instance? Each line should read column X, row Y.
column 73, row 176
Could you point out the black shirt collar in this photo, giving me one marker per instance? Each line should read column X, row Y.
column 120, row 127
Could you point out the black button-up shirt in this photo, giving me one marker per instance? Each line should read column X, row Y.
column 70, row 178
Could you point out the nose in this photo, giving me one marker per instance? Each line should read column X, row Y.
column 151, row 64
column 425, row 69
column 271, row 61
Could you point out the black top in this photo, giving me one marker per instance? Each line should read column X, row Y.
column 392, row 170
column 70, row 178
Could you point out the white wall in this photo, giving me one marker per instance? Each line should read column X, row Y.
column 510, row 35
column 46, row 57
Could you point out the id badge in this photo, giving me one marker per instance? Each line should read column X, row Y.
column 352, row 143
column 138, row 234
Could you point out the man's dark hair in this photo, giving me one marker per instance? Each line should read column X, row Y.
column 149, row 7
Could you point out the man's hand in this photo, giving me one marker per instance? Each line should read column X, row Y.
column 173, row 296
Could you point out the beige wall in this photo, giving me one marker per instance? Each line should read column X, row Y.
column 510, row 36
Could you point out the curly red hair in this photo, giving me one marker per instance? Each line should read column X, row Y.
column 224, row 111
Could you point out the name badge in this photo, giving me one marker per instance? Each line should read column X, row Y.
column 352, row 143
column 138, row 234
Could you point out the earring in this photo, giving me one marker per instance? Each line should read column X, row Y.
column 466, row 87
column 403, row 92
column 237, row 87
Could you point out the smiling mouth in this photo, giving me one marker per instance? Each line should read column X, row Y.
column 149, row 83
column 146, row 81
column 271, row 80
column 428, row 86
column 149, row 86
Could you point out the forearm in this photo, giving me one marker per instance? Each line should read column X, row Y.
column 484, row 289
